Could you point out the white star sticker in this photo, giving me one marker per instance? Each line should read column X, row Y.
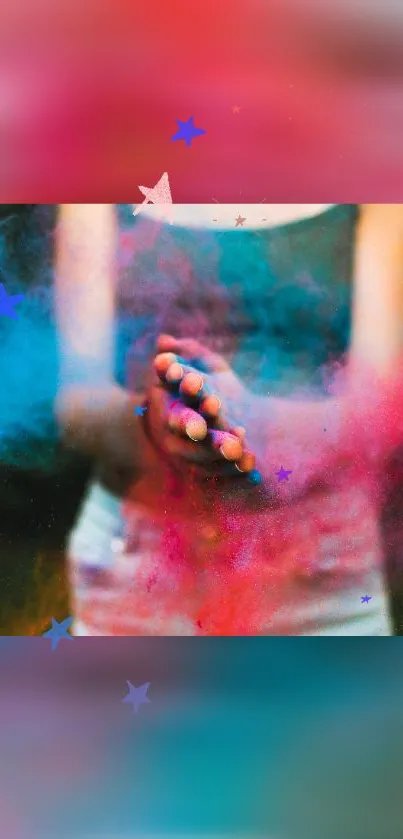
column 159, row 194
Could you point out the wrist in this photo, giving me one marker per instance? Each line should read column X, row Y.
column 90, row 416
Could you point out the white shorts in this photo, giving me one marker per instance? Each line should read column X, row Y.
column 96, row 552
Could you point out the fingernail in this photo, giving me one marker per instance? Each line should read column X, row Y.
column 192, row 384
column 230, row 447
column 193, row 428
column 247, row 462
column 222, row 451
column 175, row 372
column 164, row 360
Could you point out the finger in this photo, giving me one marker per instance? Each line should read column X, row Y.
column 188, row 423
column 204, row 458
column 169, row 347
column 174, row 372
column 171, row 368
column 210, row 407
column 192, row 384
column 239, row 432
column 229, row 446
column 162, row 362
column 178, row 372
column 167, row 343
column 246, row 462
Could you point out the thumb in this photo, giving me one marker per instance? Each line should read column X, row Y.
column 167, row 343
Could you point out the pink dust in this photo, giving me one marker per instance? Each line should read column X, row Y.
column 231, row 559
column 226, row 557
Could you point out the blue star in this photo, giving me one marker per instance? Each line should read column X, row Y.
column 187, row 131
column 254, row 477
column 139, row 410
column 58, row 631
column 7, row 302
column 283, row 474
column 366, row 599
column 137, row 695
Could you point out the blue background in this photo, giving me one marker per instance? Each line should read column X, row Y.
column 279, row 738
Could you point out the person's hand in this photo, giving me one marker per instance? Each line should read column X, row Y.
column 107, row 424
column 182, row 434
column 201, row 404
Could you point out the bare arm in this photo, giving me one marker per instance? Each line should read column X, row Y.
column 96, row 415
column 86, row 245
column 89, row 404
column 364, row 421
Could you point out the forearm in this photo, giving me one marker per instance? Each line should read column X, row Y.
column 90, row 407
column 359, row 428
column 85, row 257
column 364, row 422
column 91, row 418
column 306, row 437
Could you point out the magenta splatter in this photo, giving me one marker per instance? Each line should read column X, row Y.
column 151, row 582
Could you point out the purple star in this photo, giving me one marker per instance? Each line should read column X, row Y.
column 366, row 599
column 58, row 631
column 7, row 302
column 187, row 131
column 283, row 474
column 137, row 696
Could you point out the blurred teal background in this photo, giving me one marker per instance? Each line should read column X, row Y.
column 276, row 738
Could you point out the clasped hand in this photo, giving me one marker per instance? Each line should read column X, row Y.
column 193, row 410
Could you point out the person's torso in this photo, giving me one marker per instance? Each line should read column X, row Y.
column 275, row 301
